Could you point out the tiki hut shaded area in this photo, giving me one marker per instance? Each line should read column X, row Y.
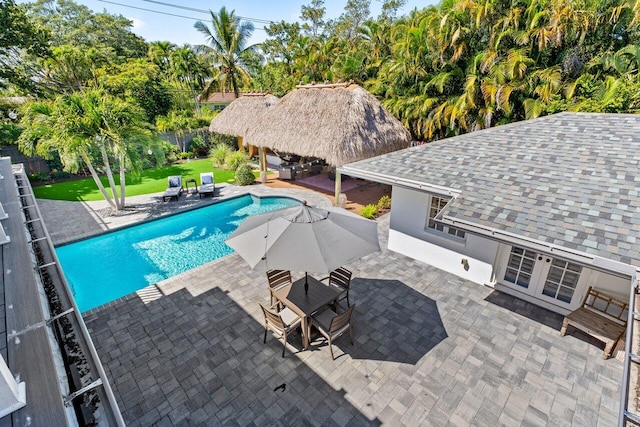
column 340, row 123
column 239, row 116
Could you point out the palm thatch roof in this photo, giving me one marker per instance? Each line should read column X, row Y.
column 339, row 123
column 242, row 113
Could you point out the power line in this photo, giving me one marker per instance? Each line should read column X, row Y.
column 193, row 9
column 149, row 10
column 159, row 12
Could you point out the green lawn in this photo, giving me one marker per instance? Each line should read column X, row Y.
column 150, row 181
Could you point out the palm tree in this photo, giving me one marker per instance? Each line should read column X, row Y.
column 227, row 49
column 75, row 125
column 160, row 54
column 187, row 70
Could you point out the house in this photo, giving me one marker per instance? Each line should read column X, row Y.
column 218, row 100
column 540, row 209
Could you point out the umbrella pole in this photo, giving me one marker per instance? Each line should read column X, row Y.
column 306, row 284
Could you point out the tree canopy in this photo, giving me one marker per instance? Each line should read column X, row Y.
column 460, row 66
column 446, row 69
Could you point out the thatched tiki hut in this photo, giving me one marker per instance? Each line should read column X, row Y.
column 239, row 116
column 340, row 123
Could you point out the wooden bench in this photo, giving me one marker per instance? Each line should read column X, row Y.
column 601, row 316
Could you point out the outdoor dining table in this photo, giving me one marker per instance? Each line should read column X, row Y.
column 305, row 304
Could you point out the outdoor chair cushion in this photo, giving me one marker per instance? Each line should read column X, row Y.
column 174, row 189
column 207, row 184
column 332, row 325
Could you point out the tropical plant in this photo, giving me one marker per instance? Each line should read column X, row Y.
column 77, row 125
column 384, row 202
column 235, row 159
column 369, row 211
column 227, row 50
column 178, row 122
column 218, row 154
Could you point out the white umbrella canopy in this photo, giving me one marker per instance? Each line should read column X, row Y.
column 304, row 238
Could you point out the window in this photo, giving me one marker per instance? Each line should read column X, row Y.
column 436, row 205
column 562, row 280
column 520, row 267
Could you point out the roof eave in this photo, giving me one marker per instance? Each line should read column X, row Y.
column 401, row 182
column 589, row 260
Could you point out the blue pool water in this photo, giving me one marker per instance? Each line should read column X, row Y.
column 112, row 265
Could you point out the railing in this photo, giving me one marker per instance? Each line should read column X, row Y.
column 86, row 376
column 629, row 400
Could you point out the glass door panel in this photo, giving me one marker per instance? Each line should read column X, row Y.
column 562, row 280
column 520, row 267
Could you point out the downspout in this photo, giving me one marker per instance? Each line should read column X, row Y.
column 338, row 188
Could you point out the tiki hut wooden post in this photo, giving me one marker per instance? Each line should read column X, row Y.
column 239, row 116
column 339, row 123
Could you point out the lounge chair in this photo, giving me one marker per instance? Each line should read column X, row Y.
column 207, row 184
column 174, row 189
column 332, row 325
column 281, row 323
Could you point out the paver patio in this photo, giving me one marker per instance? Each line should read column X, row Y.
column 430, row 349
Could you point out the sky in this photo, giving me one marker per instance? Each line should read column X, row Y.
column 154, row 26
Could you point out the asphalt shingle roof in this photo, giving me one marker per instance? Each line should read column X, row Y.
column 569, row 179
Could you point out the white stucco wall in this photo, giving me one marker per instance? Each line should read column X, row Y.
column 407, row 235
column 613, row 285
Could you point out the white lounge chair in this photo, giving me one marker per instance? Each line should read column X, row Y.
column 207, row 184
column 174, row 188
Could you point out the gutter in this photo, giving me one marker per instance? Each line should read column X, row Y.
column 592, row 261
column 595, row 262
column 401, row 182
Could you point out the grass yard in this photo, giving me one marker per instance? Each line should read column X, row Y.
column 149, row 181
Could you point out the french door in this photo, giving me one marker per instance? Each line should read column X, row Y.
column 542, row 276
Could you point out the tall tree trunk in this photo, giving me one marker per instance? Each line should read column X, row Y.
column 112, row 183
column 234, row 83
column 122, row 179
column 195, row 98
column 96, row 179
column 193, row 92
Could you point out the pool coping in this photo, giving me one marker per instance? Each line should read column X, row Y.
column 173, row 213
column 255, row 190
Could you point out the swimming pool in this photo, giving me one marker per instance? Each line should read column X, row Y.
column 112, row 265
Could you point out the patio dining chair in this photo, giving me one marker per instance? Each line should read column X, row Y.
column 340, row 279
column 278, row 279
column 332, row 325
column 280, row 322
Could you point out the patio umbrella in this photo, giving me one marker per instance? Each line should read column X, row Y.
column 304, row 238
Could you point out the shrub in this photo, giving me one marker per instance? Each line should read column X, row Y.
column 384, row 202
column 218, row 154
column 198, row 145
column 38, row 177
column 167, row 151
column 369, row 211
column 228, row 140
column 185, row 155
column 234, row 160
column 244, row 175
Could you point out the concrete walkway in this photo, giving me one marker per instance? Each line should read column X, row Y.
column 430, row 349
column 69, row 221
